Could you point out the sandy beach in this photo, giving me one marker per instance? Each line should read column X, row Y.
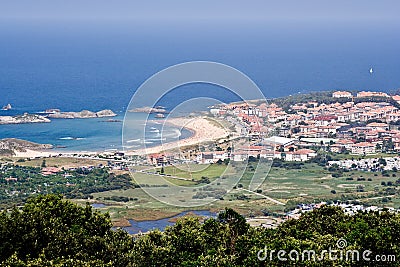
column 29, row 153
column 204, row 130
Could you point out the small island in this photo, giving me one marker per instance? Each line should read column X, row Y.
column 25, row 118
column 54, row 114
column 84, row 114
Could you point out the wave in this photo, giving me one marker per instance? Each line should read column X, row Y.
column 173, row 134
column 71, row 138
column 67, row 138
column 157, row 139
column 133, row 140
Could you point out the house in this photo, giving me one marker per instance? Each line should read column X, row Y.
column 396, row 98
column 160, row 159
column 396, row 142
column 378, row 126
column 363, row 148
column 205, row 158
column 371, row 94
column 341, row 145
column 341, row 94
column 239, row 156
column 300, row 155
column 283, row 131
column 50, row 171
column 242, row 153
column 279, row 142
column 214, row 111
column 393, row 116
column 325, row 120
column 211, row 157
column 336, row 148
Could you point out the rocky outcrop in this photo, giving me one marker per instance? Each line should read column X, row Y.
column 7, row 107
column 84, row 114
column 105, row 113
column 149, row 110
column 9, row 145
column 25, row 118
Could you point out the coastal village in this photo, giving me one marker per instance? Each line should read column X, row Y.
column 358, row 128
column 360, row 125
column 351, row 124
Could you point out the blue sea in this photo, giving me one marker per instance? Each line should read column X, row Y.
column 87, row 65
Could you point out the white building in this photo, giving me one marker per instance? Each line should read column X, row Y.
column 211, row 157
column 300, row 155
column 363, row 148
column 340, row 94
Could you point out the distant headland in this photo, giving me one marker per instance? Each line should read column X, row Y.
column 9, row 146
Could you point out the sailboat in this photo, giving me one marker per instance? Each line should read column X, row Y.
column 371, row 70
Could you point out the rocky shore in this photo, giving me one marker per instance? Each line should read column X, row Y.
column 84, row 114
column 25, row 118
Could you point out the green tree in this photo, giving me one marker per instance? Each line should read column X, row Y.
column 50, row 228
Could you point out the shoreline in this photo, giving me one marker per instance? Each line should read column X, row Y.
column 201, row 128
column 30, row 153
column 202, row 131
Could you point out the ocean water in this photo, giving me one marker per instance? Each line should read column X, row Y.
column 95, row 134
column 94, row 66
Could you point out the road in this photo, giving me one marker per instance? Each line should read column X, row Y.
column 264, row 196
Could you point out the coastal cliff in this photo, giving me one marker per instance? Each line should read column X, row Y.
column 84, row 114
column 25, row 118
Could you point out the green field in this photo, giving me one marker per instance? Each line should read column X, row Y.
column 311, row 183
column 197, row 171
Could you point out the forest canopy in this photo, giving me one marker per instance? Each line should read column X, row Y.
column 51, row 231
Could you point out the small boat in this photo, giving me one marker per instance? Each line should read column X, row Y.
column 7, row 107
column 160, row 115
column 371, row 70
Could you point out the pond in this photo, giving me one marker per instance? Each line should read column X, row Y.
column 98, row 205
column 145, row 226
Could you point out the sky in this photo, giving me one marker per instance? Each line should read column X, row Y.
column 193, row 11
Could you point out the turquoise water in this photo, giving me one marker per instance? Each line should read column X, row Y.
column 93, row 134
